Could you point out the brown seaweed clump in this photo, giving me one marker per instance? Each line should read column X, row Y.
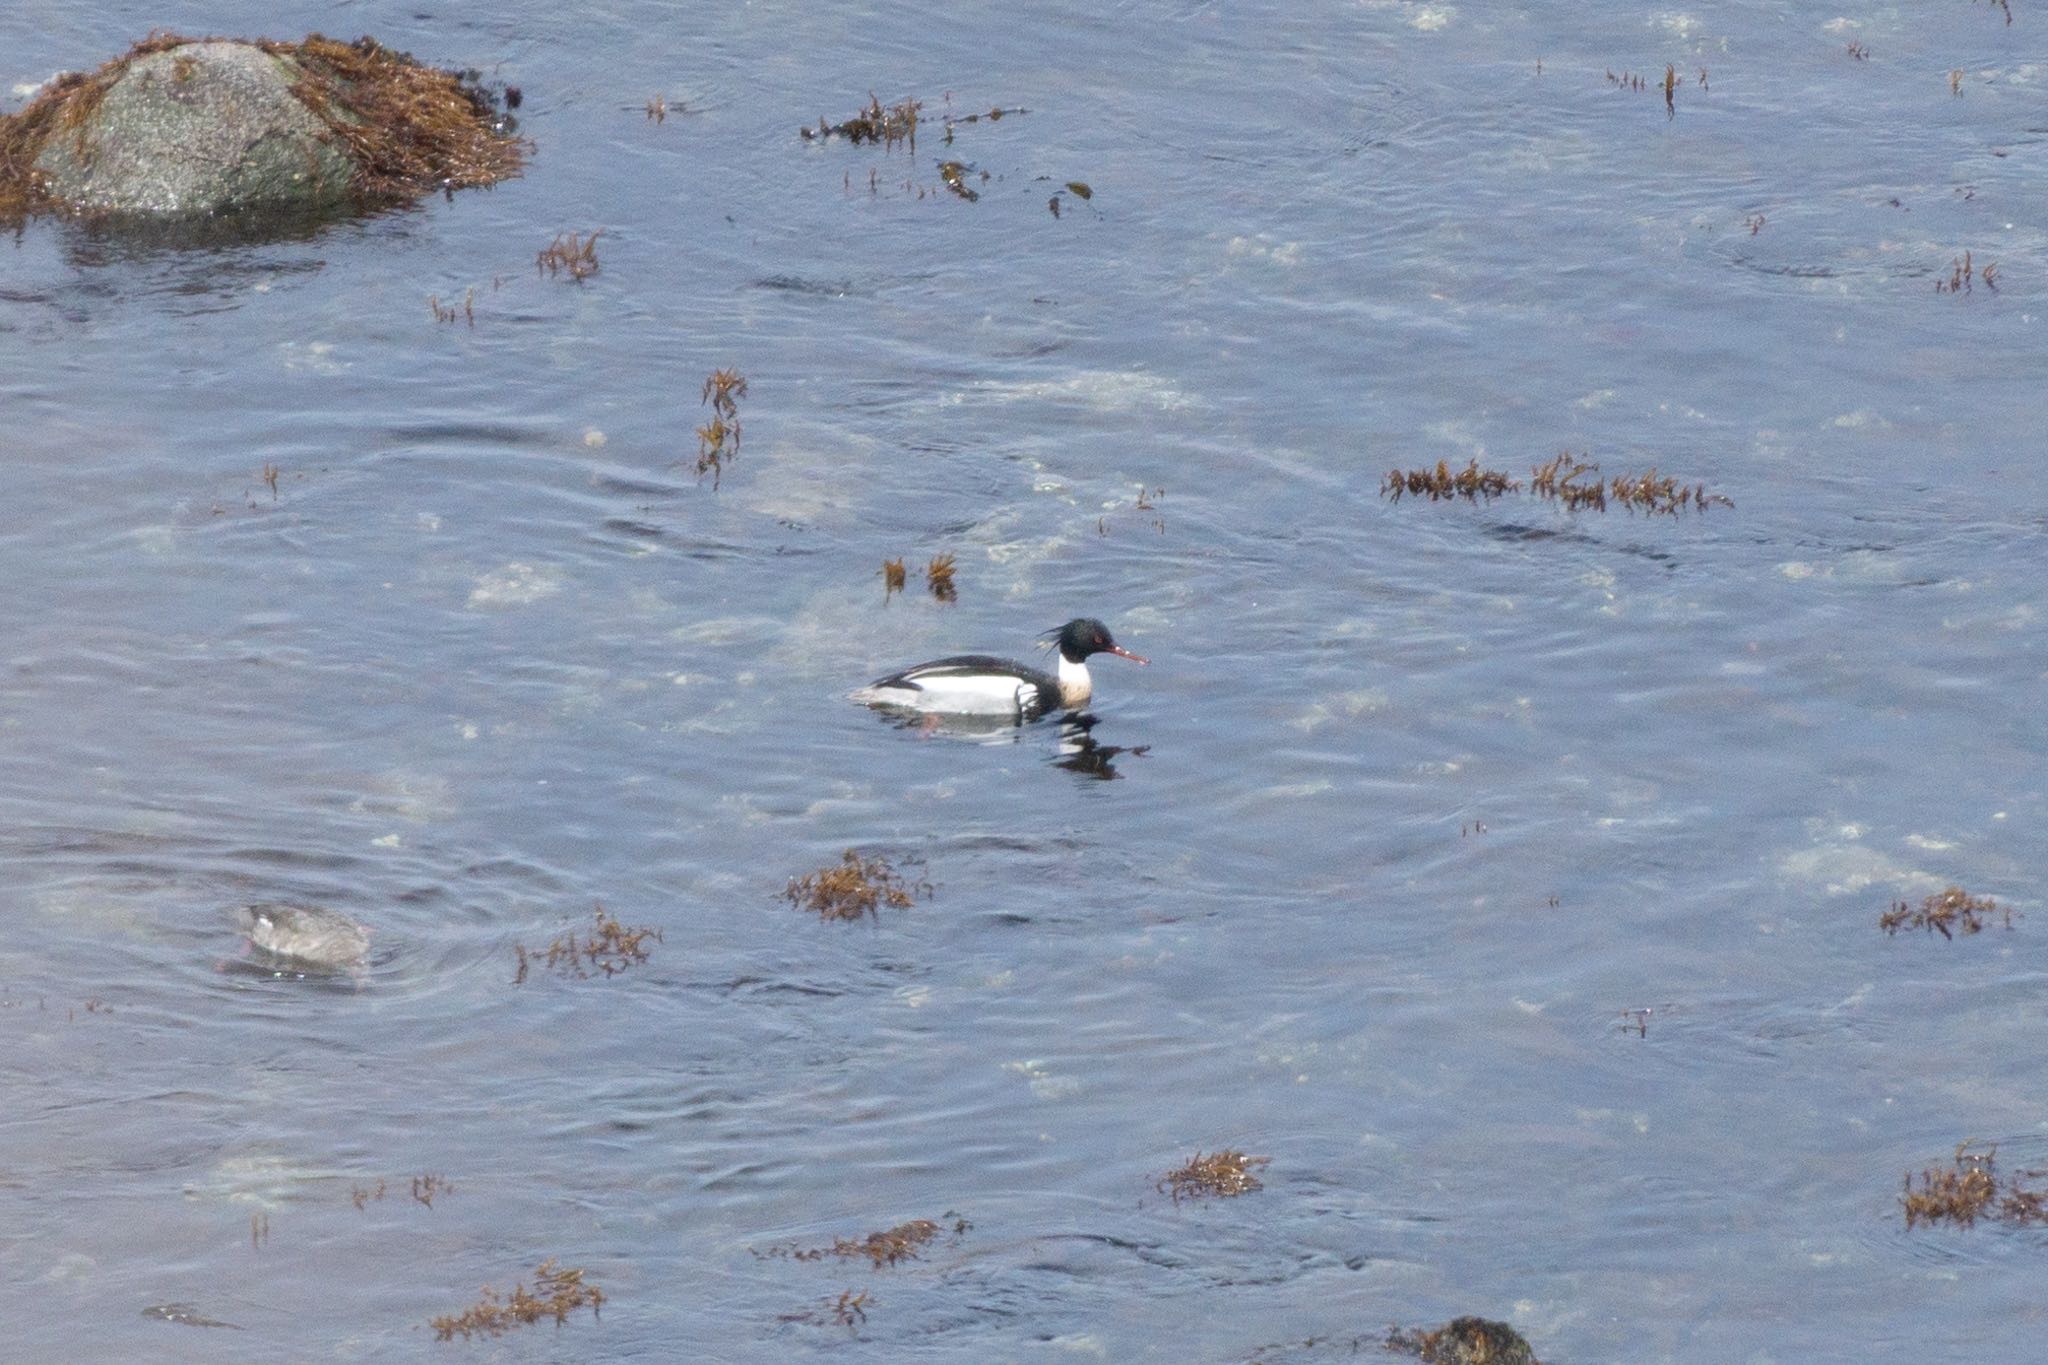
column 410, row 129
column 1566, row 479
column 893, row 577
column 1650, row 491
column 854, row 888
column 904, row 1242
column 888, row 126
column 1221, row 1175
column 413, row 129
column 955, row 174
column 718, row 440
column 570, row 253
column 1468, row 483
column 885, row 1248
column 1946, row 912
column 556, row 1294
column 1957, row 1194
column 721, row 390
column 441, row 314
column 609, row 948
column 938, row 576
column 1466, row 1341
column 1964, row 274
column 1559, row 478
column 1969, row 1188
column 1078, row 188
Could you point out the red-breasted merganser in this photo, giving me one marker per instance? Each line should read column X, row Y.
column 307, row 936
column 983, row 685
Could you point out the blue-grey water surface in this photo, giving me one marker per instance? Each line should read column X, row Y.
column 1419, row 806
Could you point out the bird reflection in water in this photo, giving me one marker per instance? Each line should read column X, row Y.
column 1080, row 752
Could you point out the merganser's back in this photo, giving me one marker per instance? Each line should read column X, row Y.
column 984, row 685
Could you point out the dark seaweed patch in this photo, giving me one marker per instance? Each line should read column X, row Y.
column 1442, row 482
column 1220, row 1175
column 904, row 1242
column 1946, row 913
column 556, row 1293
column 887, row 126
column 938, row 576
column 451, row 312
column 1963, row 276
column 571, row 253
column 609, row 947
column 1969, row 1188
column 855, row 887
column 955, row 174
column 718, row 440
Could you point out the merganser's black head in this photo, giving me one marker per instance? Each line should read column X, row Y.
column 1084, row 635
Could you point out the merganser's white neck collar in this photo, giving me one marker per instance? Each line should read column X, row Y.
column 1075, row 685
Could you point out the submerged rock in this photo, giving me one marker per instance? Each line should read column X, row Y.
column 307, row 936
column 179, row 128
column 1467, row 1341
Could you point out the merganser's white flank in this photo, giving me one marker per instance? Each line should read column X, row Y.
column 984, row 685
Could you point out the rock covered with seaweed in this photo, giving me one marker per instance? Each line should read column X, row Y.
column 180, row 127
